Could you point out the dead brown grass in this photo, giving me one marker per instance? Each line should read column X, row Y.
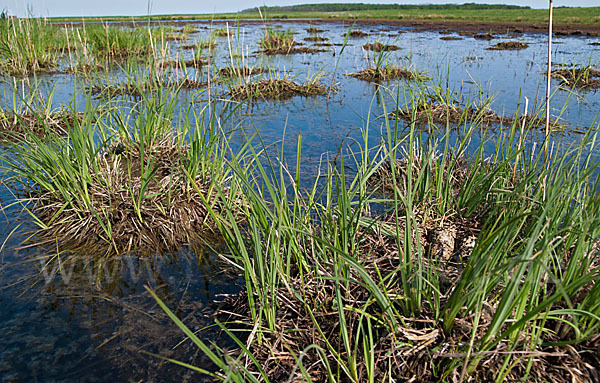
column 29, row 123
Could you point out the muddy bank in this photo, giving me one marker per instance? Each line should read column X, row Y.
column 561, row 29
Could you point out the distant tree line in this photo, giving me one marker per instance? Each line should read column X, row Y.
column 338, row 7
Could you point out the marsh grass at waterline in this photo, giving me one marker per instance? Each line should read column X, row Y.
column 424, row 262
column 122, row 180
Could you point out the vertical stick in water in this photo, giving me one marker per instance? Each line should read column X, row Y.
column 548, row 78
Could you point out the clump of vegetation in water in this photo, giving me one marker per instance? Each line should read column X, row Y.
column 380, row 47
column 29, row 46
column 277, row 42
column 314, row 30
column 578, row 77
column 315, row 39
column 508, row 45
column 438, row 110
column 484, row 36
column 233, row 71
column 277, row 89
column 221, row 32
column 39, row 124
column 469, row 258
column 388, row 72
column 143, row 188
column 355, row 33
column 450, row 38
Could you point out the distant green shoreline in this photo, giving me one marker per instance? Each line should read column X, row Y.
column 587, row 15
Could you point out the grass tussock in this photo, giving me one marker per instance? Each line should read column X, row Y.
column 450, row 38
column 315, row 39
column 484, row 36
column 380, row 47
column 386, row 73
column 232, row 71
column 469, row 271
column 508, row 45
column 277, row 42
column 355, row 33
column 442, row 113
column 314, row 30
column 111, row 188
column 582, row 78
column 39, row 124
column 276, row 89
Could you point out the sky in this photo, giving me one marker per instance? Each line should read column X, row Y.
column 140, row 7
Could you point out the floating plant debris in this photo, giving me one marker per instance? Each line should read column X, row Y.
column 379, row 47
column 508, row 45
column 276, row 89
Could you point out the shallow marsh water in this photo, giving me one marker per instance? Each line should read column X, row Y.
column 76, row 323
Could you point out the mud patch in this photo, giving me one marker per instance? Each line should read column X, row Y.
column 450, row 38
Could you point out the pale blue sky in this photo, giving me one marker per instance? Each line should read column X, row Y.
column 140, row 7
